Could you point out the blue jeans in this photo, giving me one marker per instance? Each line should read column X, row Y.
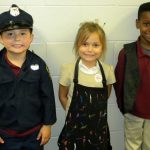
column 21, row 143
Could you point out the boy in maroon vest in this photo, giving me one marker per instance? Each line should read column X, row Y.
column 133, row 84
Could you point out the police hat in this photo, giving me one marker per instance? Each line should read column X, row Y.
column 15, row 18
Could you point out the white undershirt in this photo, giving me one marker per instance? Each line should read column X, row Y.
column 85, row 69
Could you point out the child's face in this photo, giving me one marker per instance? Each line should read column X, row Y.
column 143, row 24
column 91, row 50
column 16, row 41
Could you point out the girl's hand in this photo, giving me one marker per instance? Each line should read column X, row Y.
column 44, row 134
column 1, row 141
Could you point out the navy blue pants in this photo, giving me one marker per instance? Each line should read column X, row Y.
column 21, row 143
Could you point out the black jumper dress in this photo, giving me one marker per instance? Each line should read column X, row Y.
column 86, row 126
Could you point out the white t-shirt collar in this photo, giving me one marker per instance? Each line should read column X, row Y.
column 87, row 70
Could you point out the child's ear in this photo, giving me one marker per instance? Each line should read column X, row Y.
column 32, row 36
column 137, row 24
column 1, row 40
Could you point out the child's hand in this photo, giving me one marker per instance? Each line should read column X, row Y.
column 44, row 134
column 1, row 141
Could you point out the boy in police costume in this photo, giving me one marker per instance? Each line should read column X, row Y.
column 27, row 104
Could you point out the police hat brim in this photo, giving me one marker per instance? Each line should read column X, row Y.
column 16, row 26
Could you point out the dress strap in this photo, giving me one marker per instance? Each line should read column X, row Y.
column 75, row 80
column 103, row 74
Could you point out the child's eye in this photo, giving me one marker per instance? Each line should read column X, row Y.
column 96, row 45
column 85, row 44
column 10, row 34
column 23, row 33
column 147, row 24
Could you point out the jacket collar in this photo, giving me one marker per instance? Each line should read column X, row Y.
column 3, row 61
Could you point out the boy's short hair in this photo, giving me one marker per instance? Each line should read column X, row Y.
column 15, row 18
column 143, row 7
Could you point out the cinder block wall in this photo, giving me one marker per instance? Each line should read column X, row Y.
column 55, row 25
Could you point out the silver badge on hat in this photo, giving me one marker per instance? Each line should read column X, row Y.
column 14, row 11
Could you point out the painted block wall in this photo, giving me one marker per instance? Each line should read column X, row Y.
column 55, row 25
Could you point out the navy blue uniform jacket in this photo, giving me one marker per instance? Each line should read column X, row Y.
column 26, row 100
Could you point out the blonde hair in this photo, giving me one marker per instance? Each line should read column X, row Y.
column 85, row 30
